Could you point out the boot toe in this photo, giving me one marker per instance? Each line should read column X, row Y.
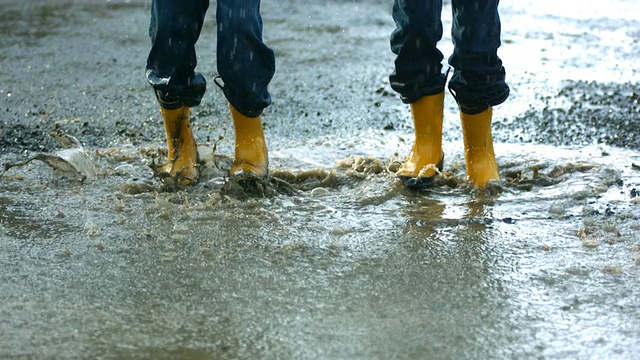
column 244, row 169
column 417, row 182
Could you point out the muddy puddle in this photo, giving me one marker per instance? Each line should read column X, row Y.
column 348, row 263
column 330, row 258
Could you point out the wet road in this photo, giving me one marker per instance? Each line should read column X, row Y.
column 352, row 266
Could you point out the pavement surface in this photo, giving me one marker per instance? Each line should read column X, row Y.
column 338, row 261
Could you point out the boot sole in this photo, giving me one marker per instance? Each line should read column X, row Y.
column 421, row 183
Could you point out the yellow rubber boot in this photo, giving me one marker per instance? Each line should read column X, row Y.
column 251, row 147
column 478, row 148
column 182, row 150
column 426, row 155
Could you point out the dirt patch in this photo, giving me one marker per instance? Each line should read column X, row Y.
column 582, row 113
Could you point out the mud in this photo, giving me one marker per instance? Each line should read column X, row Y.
column 331, row 257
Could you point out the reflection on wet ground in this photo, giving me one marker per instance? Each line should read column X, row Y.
column 337, row 260
column 356, row 267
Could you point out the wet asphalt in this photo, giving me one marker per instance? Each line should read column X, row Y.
column 369, row 271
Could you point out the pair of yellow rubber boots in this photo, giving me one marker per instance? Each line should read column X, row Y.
column 426, row 155
column 250, row 151
column 419, row 169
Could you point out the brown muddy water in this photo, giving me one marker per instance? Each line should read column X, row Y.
column 337, row 260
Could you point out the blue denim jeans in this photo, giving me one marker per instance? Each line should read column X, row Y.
column 478, row 79
column 245, row 64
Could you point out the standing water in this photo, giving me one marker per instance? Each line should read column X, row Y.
column 339, row 261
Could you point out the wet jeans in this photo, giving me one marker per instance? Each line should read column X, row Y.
column 478, row 79
column 245, row 64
